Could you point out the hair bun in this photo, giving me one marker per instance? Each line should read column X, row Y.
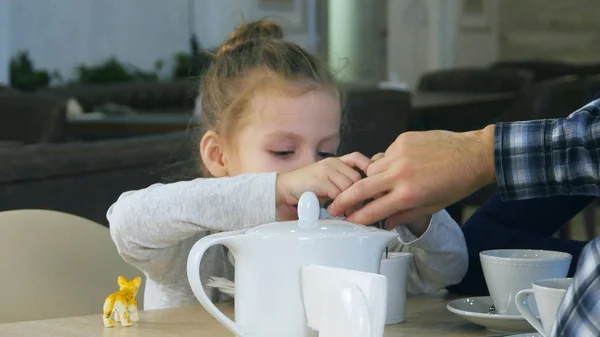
column 252, row 31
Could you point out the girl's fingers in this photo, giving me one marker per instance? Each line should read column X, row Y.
column 340, row 179
column 328, row 189
column 356, row 159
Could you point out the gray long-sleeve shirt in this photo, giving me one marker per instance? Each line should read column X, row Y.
column 155, row 228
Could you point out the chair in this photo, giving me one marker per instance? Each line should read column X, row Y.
column 475, row 80
column 373, row 119
column 588, row 69
column 56, row 265
column 540, row 69
column 554, row 98
column 592, row 86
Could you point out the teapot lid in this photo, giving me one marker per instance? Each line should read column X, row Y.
column 309, row 224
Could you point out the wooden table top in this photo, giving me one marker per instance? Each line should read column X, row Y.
column 425, row 316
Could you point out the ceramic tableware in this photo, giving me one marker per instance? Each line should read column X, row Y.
column 269, row 261
column 477, row 311
column 508, row 271
column 548, row 294
column 394, row 266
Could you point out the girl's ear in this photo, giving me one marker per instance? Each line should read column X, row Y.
column 213, row 157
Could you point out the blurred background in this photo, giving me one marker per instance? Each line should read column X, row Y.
column 96, row 95
column 368, row 39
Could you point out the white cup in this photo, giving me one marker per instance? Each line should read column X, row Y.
column 395, row 268
column 548, row 294
column 508, row 271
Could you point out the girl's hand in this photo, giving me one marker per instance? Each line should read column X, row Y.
column 326, row 178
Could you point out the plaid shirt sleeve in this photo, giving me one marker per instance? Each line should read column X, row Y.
column 579, row 311
column 549, row 157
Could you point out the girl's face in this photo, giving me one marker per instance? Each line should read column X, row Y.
column 286, row 132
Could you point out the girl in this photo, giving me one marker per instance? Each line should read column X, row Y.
column 271, row 117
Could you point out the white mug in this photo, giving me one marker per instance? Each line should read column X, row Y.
column 548, row 294
column 508, row 271
column 395, row 268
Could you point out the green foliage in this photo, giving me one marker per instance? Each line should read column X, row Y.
column 24, row 76
column 194, row 64
column 112, row 71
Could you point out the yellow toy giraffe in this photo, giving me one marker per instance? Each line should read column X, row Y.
column 121, row 305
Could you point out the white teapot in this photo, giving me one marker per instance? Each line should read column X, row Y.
column 295, row 277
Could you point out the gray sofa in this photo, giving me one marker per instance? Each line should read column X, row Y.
column 85, row 178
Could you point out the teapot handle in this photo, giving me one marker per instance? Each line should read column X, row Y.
column 193, row 268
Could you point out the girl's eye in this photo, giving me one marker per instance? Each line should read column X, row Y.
column 283, row 153
column 326, row 154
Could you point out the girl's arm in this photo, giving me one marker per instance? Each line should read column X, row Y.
column 440, row 255
column 149, row 226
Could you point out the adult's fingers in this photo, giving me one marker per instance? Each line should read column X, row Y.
column 375, row 210
column 378, row 165
column 356, row 159
column 377, row 156
column 360, row 191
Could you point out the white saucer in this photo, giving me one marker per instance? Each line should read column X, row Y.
column 476, row 310
column 224, row 285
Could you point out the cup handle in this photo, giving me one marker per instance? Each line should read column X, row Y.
column 193, row 267
column 525, row 310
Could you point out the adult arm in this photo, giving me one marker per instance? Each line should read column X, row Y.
column 549, row 157
column 423, row 172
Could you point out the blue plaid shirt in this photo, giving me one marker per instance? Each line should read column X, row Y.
column 579, row 312
column 549, row 157
column 558, row 157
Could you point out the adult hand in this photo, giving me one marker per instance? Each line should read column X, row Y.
column 326, row 178
column 421, row 173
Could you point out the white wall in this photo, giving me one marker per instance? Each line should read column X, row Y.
column 430, row 34
column 550, row 29
column 420, row 37
column 4, row 41
column 355, row 40
column 61, row 34
column 473, row 45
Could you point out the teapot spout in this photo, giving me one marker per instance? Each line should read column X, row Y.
column 383, row 238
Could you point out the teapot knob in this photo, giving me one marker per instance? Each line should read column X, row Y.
column 309, row 207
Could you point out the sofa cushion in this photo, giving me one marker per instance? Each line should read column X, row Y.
column 46, row 161
column 31, row 118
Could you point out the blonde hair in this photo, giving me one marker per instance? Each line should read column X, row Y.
column 254, row 57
